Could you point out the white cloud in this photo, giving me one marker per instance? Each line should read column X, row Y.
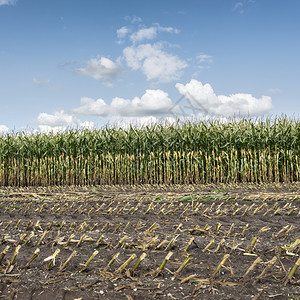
column 59, row 118
column 122, row 32
column 87, row 125
column 202, row 97
column 154, row 62
column 3, row 129
column 7, row 2
column 40, row 81
column 152, row 103
column 204, row 58
column 102, row 69
column 150, row 33
column 143, row 34
column 60, row 121
column 92, row 107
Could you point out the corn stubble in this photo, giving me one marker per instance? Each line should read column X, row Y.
column 218, row 253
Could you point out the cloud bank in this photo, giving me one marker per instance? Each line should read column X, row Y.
column 152, row 103
column 60, row 121
column 203, row 98
column 156, row 105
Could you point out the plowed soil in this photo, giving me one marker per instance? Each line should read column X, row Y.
column 251, row 232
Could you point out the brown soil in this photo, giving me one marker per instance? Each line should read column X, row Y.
column 229, row 215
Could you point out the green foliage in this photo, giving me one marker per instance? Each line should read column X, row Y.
column 250, row 150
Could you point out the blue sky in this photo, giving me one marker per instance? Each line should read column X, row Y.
column 83, row 63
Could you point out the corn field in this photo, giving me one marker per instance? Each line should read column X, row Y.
column 170, row 241
column 250, row 150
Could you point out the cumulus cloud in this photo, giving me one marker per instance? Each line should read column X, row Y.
column 152, row 103
column 92, row 107
column 154, row 62
column 203, row 97
column 151, row 58
column 150, row 33
column 7, row 2
column 60, row 121
column 3, row 129
column 102, row 69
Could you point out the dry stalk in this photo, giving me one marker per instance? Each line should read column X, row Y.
column 208, row 245
column 80, row 240
column 294, row 269
column 161, row 244
column 34, row 255
column 99, row 240
column 67, row 261
column 177, row 228
column 111, row 261
column 182, row 266
column 125, row 227
column 142, row 257
column 219, row 245
column 168, row 256
column 55, row 239
column 189, row 244
column 51, row 258
column 117, row 228
column 171, row 243
column 126, row 263
column 72, row 235
column 15, row 254
column 244, row 230
column 138, row 226
column 3, row 253
column 29, row 237
column 153, row 227
column 94, row 226
column 42, row 237
column 226, row 256
column 121, row 241
column 218, row 226
column 269, row 265
column 89, row 260
column 258, row 260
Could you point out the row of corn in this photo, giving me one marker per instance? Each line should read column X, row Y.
column 162, row 168
column 205, row 152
